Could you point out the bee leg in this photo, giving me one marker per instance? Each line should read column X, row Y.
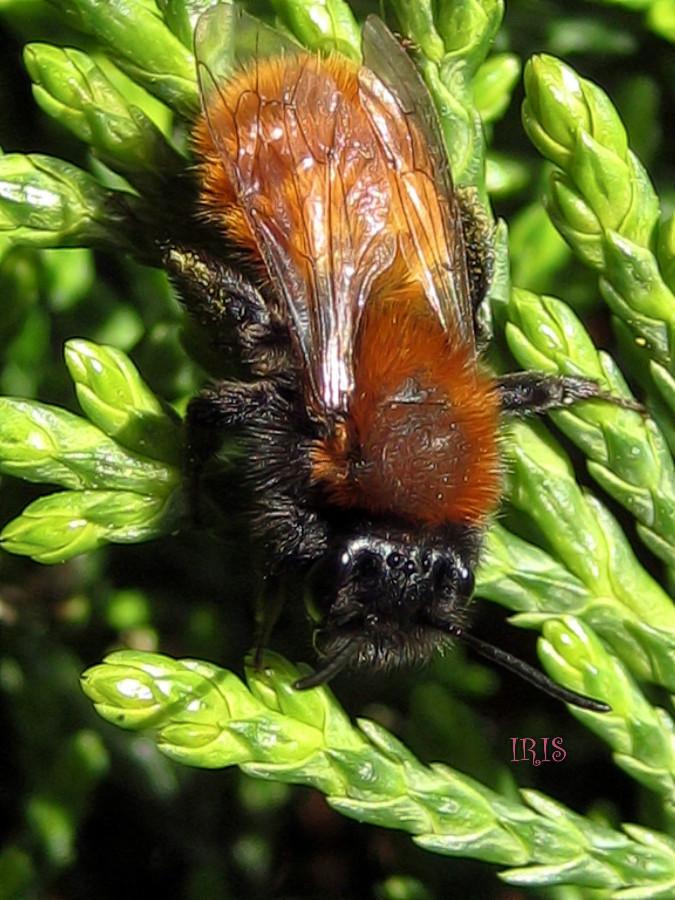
column 477, row 231
column 533, row 393
column 215, row 410
column 270, row 603
column 219, row 296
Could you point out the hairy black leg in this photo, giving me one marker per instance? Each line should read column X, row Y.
column 270, row 603
column 532, row 393
column 290, row 530
column 529, row 393
column 221, row 299
column 218, row 295
column 214, row 411
column 477, row 230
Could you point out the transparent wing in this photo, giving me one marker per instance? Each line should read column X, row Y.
column 227, row 38
column 404, row 117
column 336, row 174
column 310, row 180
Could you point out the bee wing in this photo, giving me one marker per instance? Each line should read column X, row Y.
column 404, row 117
column 226, row 38
column 321, row 225
column 333, row 191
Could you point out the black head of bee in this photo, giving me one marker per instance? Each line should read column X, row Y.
column 387, row 600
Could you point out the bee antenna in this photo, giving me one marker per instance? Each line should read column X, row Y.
column 332, row 667
column 529, row 673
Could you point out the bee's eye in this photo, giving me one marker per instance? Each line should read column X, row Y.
column 465, row 581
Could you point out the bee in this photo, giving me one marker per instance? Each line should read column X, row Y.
column 370, row 424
